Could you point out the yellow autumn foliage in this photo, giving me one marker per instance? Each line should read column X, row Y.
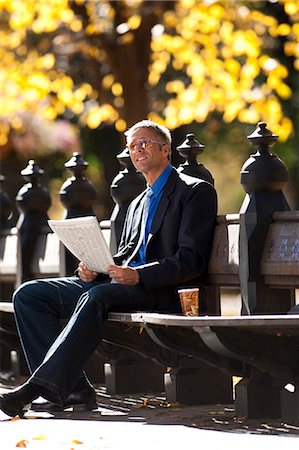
column 205, row 57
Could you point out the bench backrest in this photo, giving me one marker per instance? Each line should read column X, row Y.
column 280, row 262
column 8, row 256
column 48, row 257
column 279, row 265
column 223, row 269
column 47, row 261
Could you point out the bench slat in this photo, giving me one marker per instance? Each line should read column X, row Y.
column 253, row 321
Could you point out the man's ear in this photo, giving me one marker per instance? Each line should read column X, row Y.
column 166, row 149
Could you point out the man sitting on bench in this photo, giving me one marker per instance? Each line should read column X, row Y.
column 165, row 244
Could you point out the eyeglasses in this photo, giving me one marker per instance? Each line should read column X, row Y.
column 142, row 143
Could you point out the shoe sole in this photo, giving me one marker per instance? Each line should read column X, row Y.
column 57, row 408
column 82, row 406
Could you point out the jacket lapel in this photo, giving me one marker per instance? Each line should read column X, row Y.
column 135, row 226
column 137, row 218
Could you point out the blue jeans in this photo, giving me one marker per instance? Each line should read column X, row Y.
column 55, row 355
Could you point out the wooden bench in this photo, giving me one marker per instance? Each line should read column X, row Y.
column 226, row 341
column 203, row 353
column 262, row 349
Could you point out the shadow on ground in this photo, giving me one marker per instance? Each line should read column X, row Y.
column 153, row 409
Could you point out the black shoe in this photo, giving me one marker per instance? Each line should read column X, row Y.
column 84, row 400
column 17, row 402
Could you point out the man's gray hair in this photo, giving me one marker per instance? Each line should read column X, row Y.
column 160, row 130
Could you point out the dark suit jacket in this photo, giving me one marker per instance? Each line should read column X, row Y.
column 180, row 238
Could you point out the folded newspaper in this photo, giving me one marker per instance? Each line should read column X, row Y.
column 83, row 237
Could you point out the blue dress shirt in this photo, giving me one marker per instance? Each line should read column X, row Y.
column 157, row 191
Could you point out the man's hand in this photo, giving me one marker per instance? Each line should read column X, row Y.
column 85, row 274
column 124, row 275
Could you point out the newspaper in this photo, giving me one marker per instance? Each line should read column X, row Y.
column 83, row 237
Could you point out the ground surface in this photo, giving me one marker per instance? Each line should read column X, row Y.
column 141, row 421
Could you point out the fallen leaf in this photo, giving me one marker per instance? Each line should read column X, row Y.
column 40, row 437
column 22, row 443
column 75, row 441
column 15, row 419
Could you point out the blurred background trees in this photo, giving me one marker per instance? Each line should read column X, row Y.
column 75, row 74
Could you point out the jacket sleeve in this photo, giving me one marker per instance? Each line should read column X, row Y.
column 194, row 239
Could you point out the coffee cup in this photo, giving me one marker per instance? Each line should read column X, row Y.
column 189, row 298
